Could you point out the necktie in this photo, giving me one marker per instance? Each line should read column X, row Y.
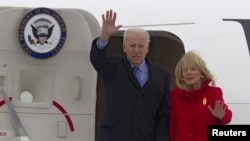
column 137, row 72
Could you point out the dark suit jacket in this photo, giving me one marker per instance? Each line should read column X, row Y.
column 132, row 113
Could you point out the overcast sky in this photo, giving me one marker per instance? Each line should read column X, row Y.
column 140, row 12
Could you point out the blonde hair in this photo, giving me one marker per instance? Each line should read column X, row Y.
column 191, row 59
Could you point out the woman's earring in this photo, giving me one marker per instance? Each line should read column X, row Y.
column 201, row 76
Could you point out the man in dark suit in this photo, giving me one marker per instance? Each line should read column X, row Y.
column 137, row 105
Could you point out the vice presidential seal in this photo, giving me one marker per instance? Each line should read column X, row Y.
column 42, row 33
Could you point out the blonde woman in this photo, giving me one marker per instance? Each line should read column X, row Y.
column 196, row 102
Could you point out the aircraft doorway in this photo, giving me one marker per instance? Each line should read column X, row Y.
column 165, row 50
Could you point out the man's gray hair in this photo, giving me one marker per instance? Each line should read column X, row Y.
column 135, row 30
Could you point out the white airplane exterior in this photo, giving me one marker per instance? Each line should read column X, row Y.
column 54, row 95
